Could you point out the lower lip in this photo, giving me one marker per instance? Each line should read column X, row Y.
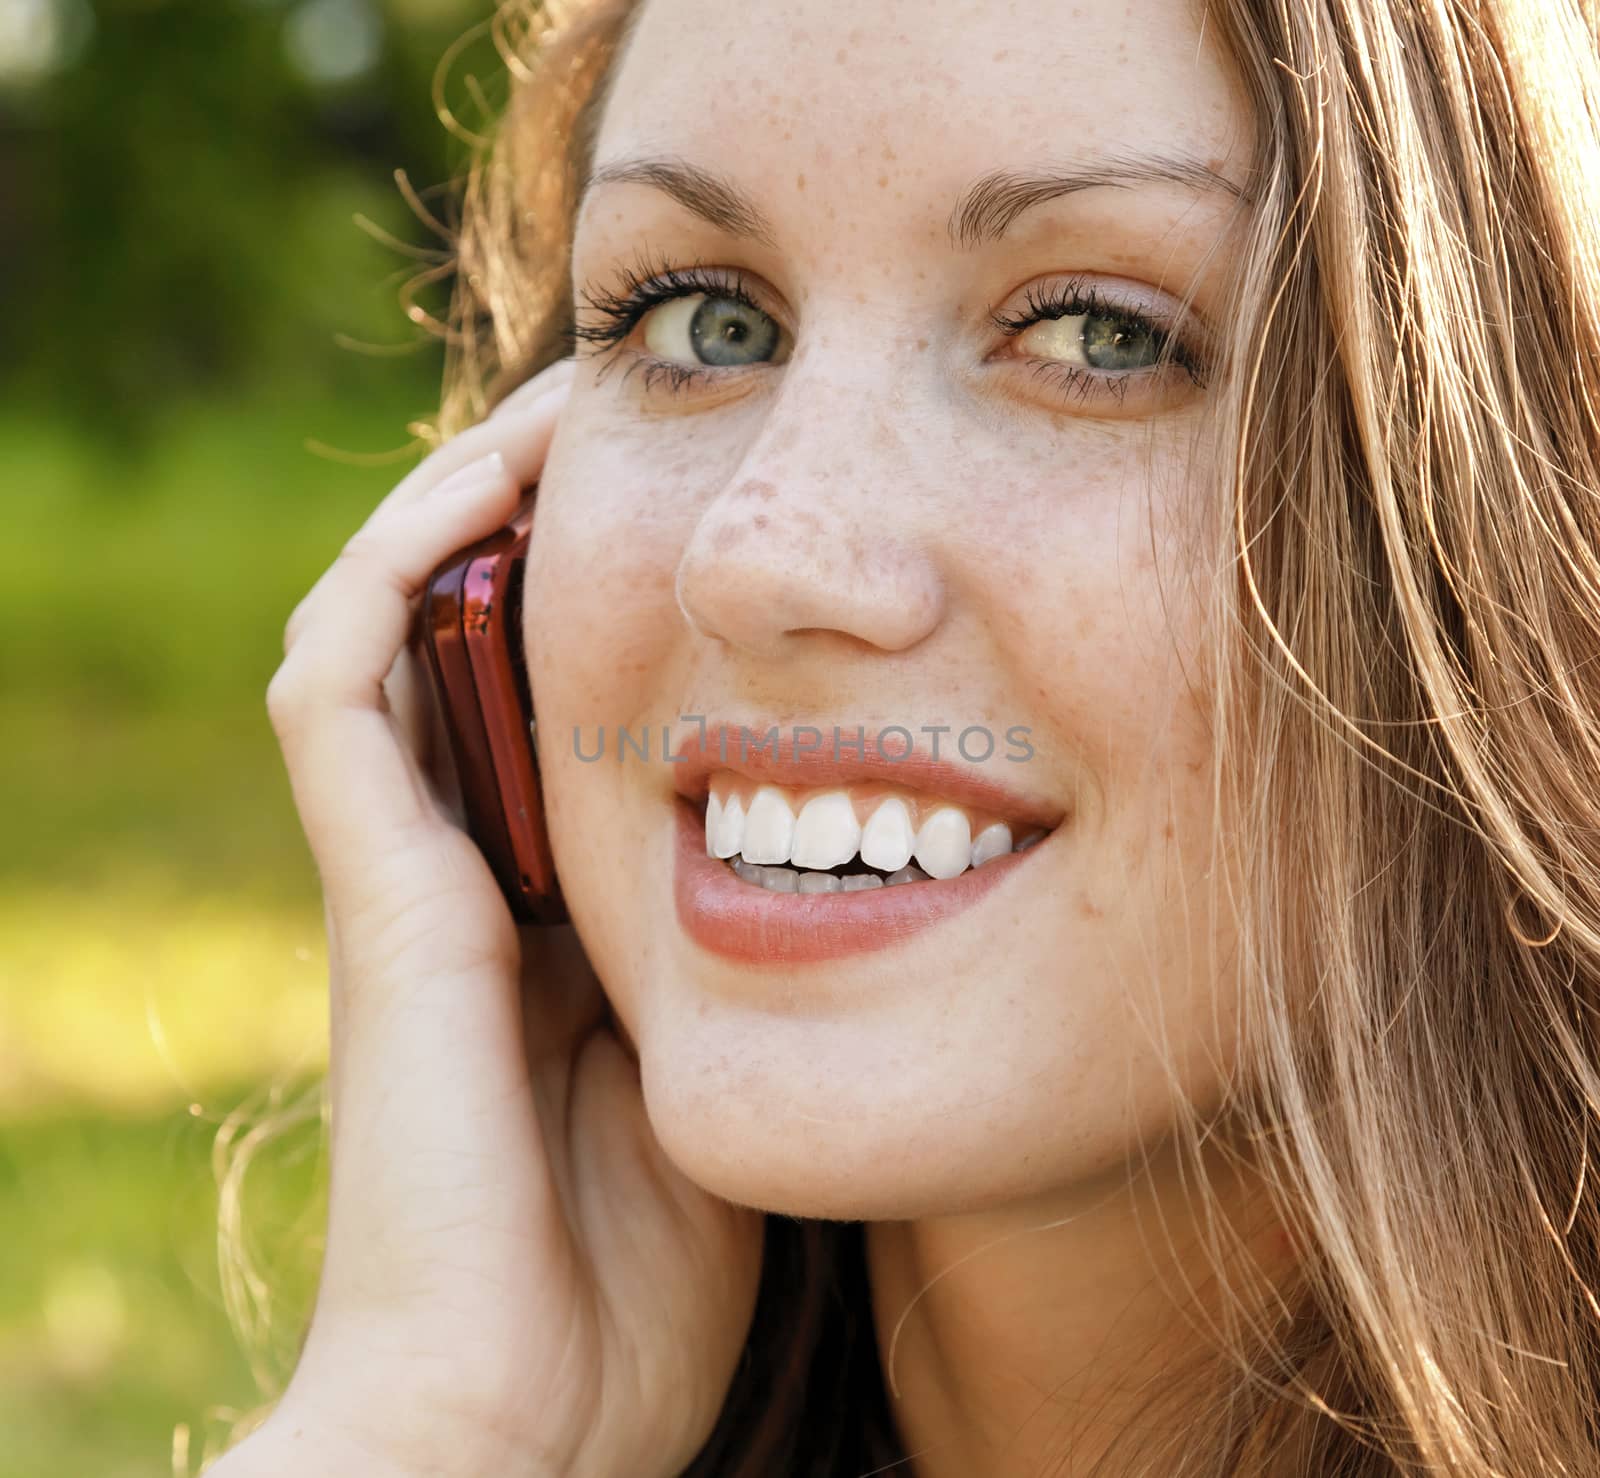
column 741, row 921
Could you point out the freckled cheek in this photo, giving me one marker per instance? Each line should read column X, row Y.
column 1092, row 665
column 600, row 616
column 597, row 620
column 1102, row 647
column 601, row 623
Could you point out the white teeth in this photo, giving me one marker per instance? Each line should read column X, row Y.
column 786, row 880
column 944, row 843
column 773, row 879
column 906, row 875
column 728, row 837
column 886, row 840
column 820, row 882
column 826, row 832
column 780, row 880
column 768, row 828
column 993, row 841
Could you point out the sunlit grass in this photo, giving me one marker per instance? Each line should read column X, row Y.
column 148, row 997
column 113, row 1337
column 134, row 1023
column 162, row 964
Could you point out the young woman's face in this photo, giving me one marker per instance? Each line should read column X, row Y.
column 856, row 500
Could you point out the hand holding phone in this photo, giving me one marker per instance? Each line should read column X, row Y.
column 515, row 1277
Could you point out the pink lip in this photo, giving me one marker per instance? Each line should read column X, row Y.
column 740, row 921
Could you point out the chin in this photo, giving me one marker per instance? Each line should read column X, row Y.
column 790, row 1176
column 804, row 1132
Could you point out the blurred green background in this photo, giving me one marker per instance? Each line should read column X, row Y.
column 208, row 380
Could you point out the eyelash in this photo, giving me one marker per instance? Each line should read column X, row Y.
column 645, row 287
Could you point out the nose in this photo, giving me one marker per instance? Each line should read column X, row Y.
column 778, row 555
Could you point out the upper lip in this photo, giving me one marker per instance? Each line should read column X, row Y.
column 694, row 763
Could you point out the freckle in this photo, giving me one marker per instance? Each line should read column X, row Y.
column 1166, row 831
column 922, row 344
column 800, row 182
column 726, row 537
column 883, row 180
column 761, row 520
column 1089, row 908
column 841, row 55
column 1000, row 56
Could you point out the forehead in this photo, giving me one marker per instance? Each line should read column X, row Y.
column 917, row 96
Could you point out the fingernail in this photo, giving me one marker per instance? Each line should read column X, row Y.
column 486, row 469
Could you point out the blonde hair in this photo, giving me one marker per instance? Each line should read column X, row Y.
column 1405, row 717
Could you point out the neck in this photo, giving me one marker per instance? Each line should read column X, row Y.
column 1038, row 1333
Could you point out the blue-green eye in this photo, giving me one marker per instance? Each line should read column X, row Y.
column 1097, row 341
column 709, row 311
column 710, row 330
column 1068, row 322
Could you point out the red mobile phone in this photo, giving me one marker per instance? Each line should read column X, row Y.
column 469, row 628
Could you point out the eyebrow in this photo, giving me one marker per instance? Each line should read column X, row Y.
column 985, row 211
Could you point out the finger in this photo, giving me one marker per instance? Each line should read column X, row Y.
column 356, row 783
column 490, row 434
column 406, row 695
column 522, row 440
column 559, row 373
column 389, row 559
column 421, row 724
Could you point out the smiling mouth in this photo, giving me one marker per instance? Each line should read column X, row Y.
column 851, row 839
